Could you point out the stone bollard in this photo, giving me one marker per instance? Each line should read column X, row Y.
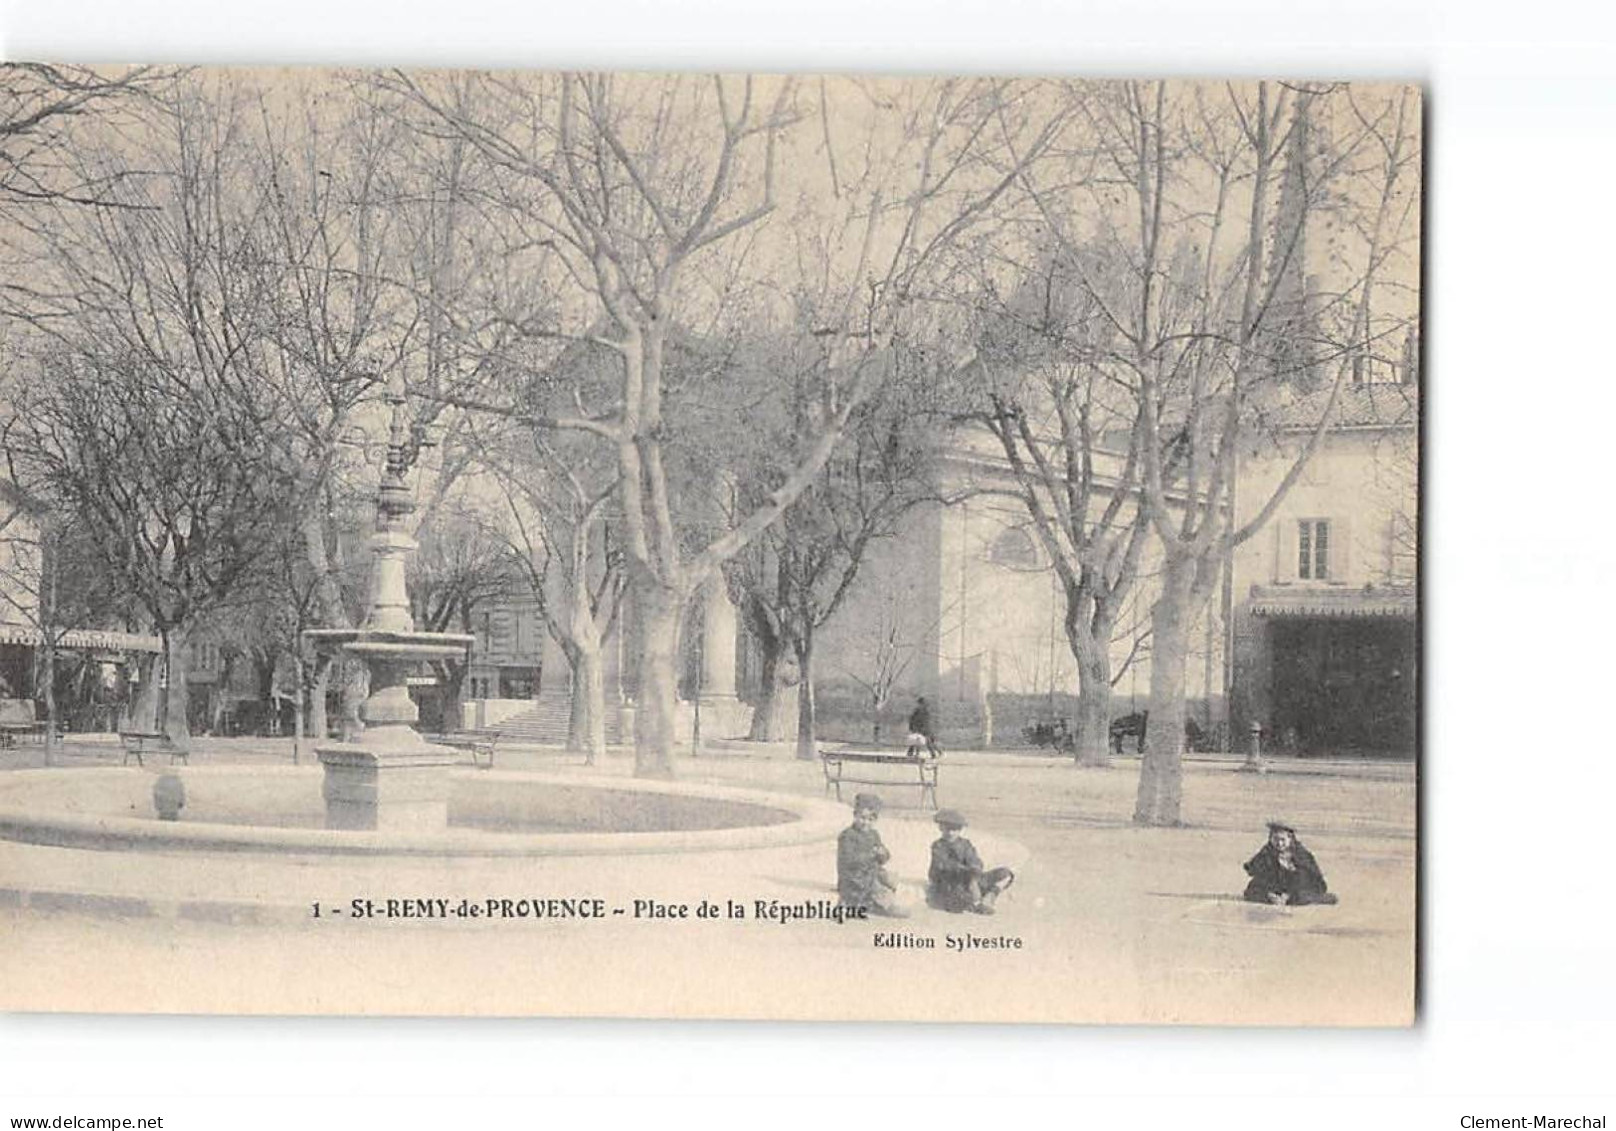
column 1254, row 763
column 168, row 796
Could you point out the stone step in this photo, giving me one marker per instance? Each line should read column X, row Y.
column 545, row 722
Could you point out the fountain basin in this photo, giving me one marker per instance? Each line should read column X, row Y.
column 279, row 810
column 390, row 644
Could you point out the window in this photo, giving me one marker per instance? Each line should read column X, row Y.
column 1313, row 549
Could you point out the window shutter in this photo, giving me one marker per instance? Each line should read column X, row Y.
column 1286, row 546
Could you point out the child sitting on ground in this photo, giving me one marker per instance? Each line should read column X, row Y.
column 861, row 858
column 957, row 881
column 1285, row 873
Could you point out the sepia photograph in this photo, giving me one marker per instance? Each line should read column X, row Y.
column 482, row 542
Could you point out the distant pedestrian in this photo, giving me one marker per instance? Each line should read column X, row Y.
column 1285, row 873
column 861, row 858
column 957, row 880
column 921, row 733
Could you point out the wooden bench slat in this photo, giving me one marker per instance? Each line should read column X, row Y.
column 838, row 760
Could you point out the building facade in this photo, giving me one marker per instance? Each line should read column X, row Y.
column 1325, row 628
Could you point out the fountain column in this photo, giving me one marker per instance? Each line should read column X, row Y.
column 391, row 780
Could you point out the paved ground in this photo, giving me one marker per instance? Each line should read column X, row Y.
column 1115, row 923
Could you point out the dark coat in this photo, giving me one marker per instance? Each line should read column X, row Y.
column 920, row 720
column 861, row 875
column 1302, row 883
column 955, row 870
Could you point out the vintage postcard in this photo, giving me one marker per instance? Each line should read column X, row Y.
column 793, row 547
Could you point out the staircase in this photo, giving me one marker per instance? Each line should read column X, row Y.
column 545, row 723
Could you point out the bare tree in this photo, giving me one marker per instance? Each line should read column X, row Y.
column 462, row 567
column 646, row 198
column 145, row 416
column 884, row 652
column 794, row 578
column 1048, row 390
column 1215, row 309
column 40, row 106
column 559, row 498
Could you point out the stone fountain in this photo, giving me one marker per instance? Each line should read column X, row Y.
column 390, row 799
column 392, row 779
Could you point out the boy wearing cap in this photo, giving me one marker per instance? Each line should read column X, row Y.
column 1285, row 873
column 957, row 881
column 861, row 858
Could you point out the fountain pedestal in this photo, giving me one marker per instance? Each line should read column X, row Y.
column 375, row 791
column 392, row 779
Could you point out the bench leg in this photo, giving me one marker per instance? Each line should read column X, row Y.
column 139, row 761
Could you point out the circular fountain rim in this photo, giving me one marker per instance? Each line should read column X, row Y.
column 816, row 820
column 393, row 643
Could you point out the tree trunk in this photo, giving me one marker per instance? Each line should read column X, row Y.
column 1093, row 747
column 655, row 720
column 297, row 706
column 355, row 679
column 451, row 682
column 220, row 695
column 1161, row 775
column 175, row 701
column 319, row 724
column 144, row 711
column 764, row 728
column 806, row 748
column 52, row 723
column 264, row 665
column 1090, row 643
column 586, row 716
column 48, row 679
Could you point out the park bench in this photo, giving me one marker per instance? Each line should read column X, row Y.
column 862, row 766
column 137, row 743
column 480, row 744
column 17, row 718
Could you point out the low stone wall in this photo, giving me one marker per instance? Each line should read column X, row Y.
column 276, row 811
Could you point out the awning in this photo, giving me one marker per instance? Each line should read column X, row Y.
column 1266, row 602
column 82, row 639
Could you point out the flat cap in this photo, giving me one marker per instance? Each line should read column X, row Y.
column 1281, row 826
column 867, row 801
column 950, row 819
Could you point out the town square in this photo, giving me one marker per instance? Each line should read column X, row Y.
column 582, row 545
